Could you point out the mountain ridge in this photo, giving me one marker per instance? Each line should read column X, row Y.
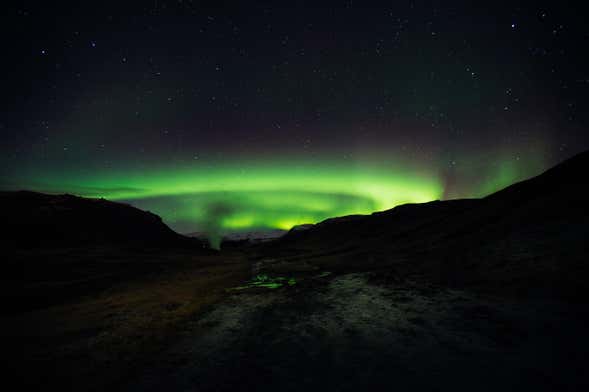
column 38, row 220
column 530, row 235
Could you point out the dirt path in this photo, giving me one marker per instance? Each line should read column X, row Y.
column 346, row 333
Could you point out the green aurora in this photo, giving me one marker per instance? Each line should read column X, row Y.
column 241, row 196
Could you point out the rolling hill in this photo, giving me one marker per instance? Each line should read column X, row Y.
column 36, row 220
column 531, row 237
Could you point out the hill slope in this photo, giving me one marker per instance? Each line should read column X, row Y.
column 527, row 237
column 36, row 220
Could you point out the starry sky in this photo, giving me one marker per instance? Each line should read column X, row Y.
column 228, row 116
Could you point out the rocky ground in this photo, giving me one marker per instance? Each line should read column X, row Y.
column 354, row 331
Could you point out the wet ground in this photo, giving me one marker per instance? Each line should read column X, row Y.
column 349, row 332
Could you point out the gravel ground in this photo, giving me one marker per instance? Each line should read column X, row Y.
column 344, row 333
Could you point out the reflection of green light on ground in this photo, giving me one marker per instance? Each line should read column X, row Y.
column 266, row 281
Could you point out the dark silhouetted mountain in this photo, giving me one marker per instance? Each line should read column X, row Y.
column 36, row 220
column 530, row 236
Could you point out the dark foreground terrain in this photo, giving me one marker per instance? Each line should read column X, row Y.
column 100, row 321
column 481, row 294
column 353, row 332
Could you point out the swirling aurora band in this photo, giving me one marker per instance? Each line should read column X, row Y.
column 231, row 196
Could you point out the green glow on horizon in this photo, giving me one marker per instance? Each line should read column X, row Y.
column 241, row 196
column 249, row 196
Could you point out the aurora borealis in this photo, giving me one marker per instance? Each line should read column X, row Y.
column 254, row 117
column 266, row 197
column 241, row 196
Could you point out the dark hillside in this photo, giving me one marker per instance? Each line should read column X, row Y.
column 529, row 237
column 36, row 220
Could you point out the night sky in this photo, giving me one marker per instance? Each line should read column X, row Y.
column 266, row 115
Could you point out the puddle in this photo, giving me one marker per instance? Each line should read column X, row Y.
column 266, row 281
column 273, row 282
